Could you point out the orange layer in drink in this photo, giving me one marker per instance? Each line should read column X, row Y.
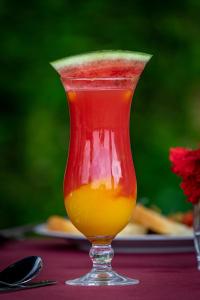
column 97, row 211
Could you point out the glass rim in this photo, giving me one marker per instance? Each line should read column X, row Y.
column 97, row 78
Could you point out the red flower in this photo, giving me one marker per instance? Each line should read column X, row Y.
column 186, row 164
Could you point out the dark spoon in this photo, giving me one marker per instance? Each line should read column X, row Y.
column 14, row 288
column 21, row 271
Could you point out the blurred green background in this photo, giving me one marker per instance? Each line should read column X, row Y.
column 34, row 116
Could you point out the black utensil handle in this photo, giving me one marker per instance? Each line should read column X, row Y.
column 28, row 286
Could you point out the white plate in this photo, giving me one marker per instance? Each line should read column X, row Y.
column 149, row 243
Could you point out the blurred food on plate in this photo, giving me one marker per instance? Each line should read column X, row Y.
column 158, row 223
column 144, row 220
column 57, row 223
column 185, row 218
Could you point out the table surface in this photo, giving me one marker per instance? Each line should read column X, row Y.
column 162, row 276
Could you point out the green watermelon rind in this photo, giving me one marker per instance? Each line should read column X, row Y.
column 87, row 58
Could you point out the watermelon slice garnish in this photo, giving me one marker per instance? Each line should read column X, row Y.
column 102, row 64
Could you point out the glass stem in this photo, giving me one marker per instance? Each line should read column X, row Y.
column 101, row 256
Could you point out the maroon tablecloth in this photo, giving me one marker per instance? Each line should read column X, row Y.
column 162, row 276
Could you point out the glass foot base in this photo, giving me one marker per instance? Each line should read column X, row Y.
column 102, row 278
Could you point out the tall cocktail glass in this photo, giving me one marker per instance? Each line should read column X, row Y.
column 100, row 183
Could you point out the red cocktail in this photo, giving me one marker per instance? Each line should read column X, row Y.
column 100, row 183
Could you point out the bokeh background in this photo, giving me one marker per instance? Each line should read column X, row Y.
column 34, row 117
